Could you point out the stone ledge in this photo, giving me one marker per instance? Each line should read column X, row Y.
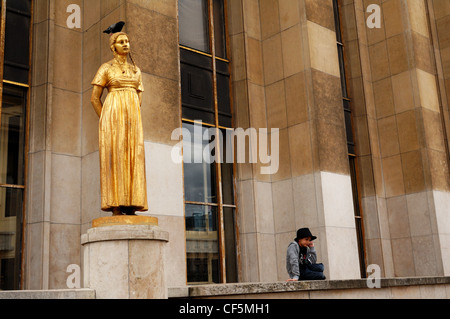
column 124, row 232
column 124, row 220
column 242, row 289
column 49, row 294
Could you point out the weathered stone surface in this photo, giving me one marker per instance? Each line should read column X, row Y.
column 356, row 288
column 49, row 294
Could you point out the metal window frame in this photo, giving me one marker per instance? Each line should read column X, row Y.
column 218, row 169
column 27, row 120
column 353, row 157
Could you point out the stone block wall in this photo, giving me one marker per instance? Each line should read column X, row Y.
column 285, row 75
column 64, row 189
column 401, row 125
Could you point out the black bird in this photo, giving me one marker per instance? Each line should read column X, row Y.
column 116, row 27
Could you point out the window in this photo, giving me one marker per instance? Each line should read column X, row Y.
column 210, row 209
column 15, row 33
column 346, row 101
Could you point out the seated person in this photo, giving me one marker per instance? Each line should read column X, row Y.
column 301, row 258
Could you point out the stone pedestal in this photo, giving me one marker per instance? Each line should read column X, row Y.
column 124, row 258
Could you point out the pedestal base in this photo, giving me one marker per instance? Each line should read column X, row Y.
column 125, row 261
column 124, row 220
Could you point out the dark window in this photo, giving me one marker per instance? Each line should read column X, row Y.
column 219, row 28
column 207, row 115
column 197, row 90
column 17, row 44
column 15, row 59
column 194, row 24
column 12, row 135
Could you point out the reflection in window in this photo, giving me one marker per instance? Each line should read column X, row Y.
column 197, row 87
column 208, row 183
column 12, row 135
column 227, row 170
column 12, row 140
column 219, row 28
column 15, row 57
column 229, row 216
column 201, row 218
column 199, row 176
column 193, row 24
column 202, row 244
column 17, row 45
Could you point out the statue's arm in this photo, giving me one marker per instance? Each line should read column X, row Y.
column 96, row 99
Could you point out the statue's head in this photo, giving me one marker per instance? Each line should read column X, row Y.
column 119, row 43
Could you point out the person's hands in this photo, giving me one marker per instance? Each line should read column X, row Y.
column 311, row 244
column 291, row 279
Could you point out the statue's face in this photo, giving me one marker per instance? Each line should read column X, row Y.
column 122, row 45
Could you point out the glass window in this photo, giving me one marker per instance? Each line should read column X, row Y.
column 229, row 215
column 12, row 161
column 223, row 94
column 17, row 44
column 227, row 167
column 199, row 176
column 12, row 135
column 202, row 244
column 219, row 28
column 15, row 57
column 193, row 24
column 207, row 116
column 19, row 5
column 11, row 207
column 197, row 87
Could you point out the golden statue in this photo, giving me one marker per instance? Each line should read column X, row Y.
column 121, row 140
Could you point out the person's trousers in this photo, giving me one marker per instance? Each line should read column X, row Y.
column 312, row 272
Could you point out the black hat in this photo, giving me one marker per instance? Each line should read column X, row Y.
column 303, row 233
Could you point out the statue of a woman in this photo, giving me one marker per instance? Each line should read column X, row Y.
column 121, row 140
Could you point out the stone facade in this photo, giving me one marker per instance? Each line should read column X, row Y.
column 402, row 125
column 285, row 75
column 64, row 161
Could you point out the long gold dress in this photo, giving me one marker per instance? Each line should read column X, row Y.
column 121, row 139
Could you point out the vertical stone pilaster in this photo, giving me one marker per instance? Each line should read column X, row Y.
column 53, row 206
column 286, row 76
column 400, row 127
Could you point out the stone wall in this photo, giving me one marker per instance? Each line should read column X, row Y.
column 392, row 288
column 53, row 213
column 64, row 186
column 400, row 114
column 285, row 75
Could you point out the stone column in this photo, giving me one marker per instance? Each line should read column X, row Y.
column 286, row 75
column 124, row 258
